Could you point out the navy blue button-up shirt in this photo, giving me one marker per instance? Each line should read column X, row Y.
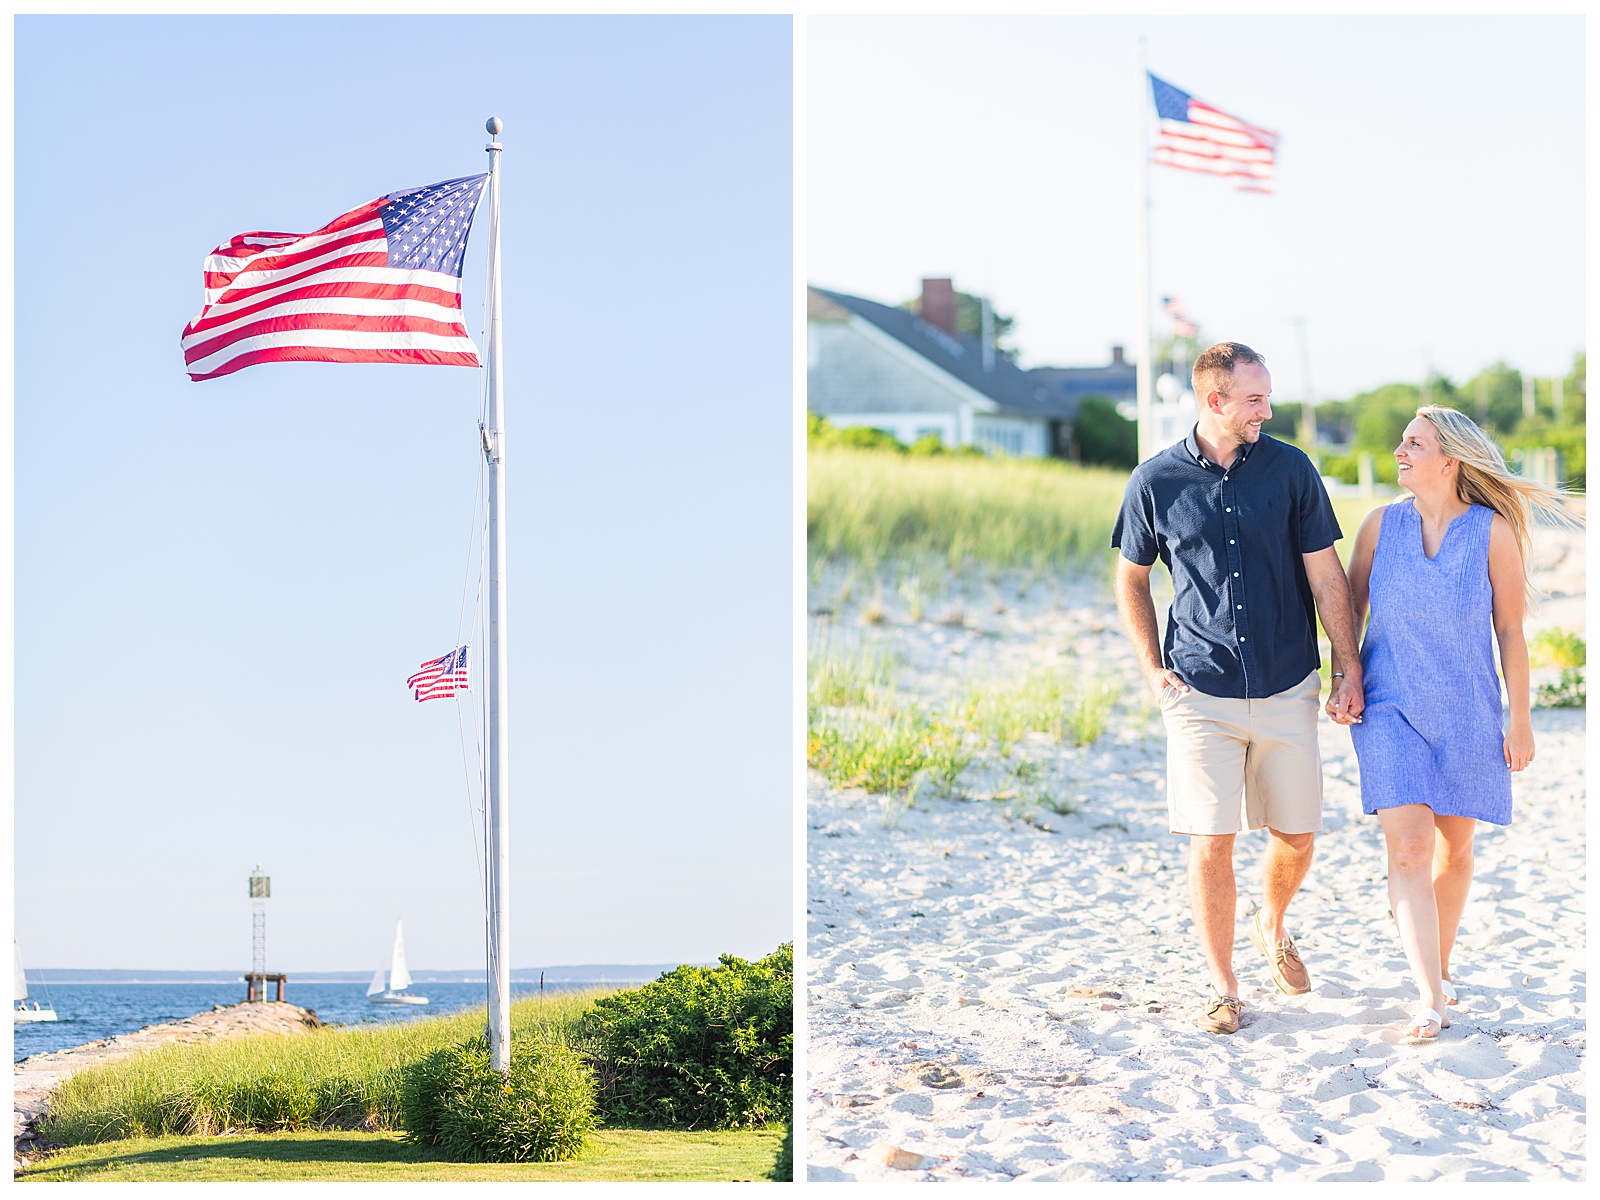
column 1243, row 621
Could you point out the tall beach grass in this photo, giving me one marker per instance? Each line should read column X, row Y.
column 873, row 508
column 332, row 1078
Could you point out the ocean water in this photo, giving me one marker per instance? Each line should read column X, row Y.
column 87, row 1012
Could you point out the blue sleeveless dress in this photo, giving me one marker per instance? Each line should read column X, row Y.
column 1431, row 732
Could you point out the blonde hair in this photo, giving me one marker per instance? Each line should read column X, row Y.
column 1483, row 478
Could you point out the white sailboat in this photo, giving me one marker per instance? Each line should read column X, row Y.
column 399, row 977
column 19, row 995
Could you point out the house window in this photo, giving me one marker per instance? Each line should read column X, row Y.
column 1007, row 440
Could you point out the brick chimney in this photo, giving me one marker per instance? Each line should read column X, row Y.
column 939, row 304
column 1116, row 357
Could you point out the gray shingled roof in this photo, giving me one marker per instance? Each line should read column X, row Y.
column 1007, row 384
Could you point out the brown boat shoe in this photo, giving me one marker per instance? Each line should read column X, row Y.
column 1288, row 972
column 1221, row 1014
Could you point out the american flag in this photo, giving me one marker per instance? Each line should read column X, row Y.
column 1194, row 136
column 1181, row 325
column 382, row 283
column 442, row 676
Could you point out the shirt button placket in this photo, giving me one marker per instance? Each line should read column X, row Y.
column 1241, row 629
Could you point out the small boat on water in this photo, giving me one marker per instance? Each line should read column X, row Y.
column 399, row 977
column 20, row 1011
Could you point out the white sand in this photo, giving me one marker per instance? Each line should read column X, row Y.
column 993, row 1000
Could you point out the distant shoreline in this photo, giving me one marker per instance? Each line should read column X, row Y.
column 582, row 973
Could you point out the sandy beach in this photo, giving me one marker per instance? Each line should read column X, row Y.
column 999, row 991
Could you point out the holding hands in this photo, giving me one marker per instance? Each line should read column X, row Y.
column 1345, row 701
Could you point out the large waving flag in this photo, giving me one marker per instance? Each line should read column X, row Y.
column 381, row 283
column 1195, row 136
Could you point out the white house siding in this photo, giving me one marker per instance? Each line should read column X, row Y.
column 1020, row 437
column 856, row 374
column 852, row 370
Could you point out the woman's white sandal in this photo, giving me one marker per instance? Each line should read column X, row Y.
column 1449, row 991
column 1421, row 1019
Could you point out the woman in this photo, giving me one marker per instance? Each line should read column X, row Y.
column 1442, row 571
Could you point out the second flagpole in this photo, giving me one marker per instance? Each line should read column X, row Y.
column 498, row 856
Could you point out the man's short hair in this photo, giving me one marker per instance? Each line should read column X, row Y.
column 1213, row 370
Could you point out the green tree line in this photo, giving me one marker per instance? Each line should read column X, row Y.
column 1373, row 421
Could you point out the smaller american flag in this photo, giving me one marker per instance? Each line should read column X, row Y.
column 1194, row 136
column 1181, row 325
column 442, row 676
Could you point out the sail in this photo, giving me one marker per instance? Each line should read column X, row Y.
column 399, row 977
column 376, row 985
column 20, row 992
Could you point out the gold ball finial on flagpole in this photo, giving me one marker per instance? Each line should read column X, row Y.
column 494, row 125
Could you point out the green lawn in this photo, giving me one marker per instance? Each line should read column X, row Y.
column 615, row 1155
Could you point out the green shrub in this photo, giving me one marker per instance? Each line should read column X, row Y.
column 332, row 1078
column 1558, row 648
column 819, row 432
column 701, row 1047
column 1347, row 467
column 783, row 1168
column 542, row 1112
column 1571, row 691
column 1104, row 435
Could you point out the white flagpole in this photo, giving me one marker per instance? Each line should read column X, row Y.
column 1142, row 264
column 498, row 856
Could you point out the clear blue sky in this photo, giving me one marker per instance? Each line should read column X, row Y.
column 221, row 587
column 1430, row 196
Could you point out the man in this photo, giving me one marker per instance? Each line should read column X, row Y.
column 1245, row 528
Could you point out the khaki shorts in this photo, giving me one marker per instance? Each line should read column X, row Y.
column 1233, row 764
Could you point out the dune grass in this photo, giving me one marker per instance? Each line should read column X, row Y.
column 864, row 732
column 848, row 679
column 887, row 749
column 333, row 1078
column 1060, row 704
column 614, row 1155
column 873, row 508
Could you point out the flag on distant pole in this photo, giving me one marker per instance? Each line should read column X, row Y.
column 442, row 676
column 1181, row 325
column 382, row 283
column 1195, row 136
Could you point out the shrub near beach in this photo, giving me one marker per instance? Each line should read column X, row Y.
column 331, row 1078
column 542, row 1112
column 700, row 1048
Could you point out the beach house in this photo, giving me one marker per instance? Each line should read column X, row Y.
column 917, row 374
